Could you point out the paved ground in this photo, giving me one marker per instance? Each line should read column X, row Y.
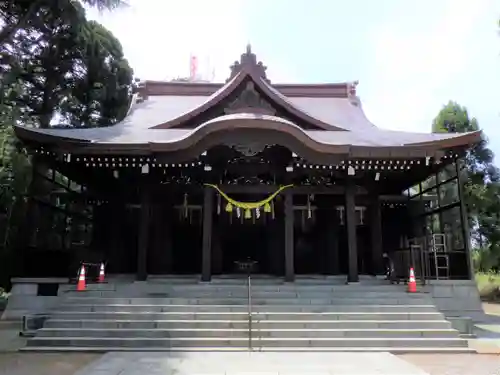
column 43, row 363
column 255, row 363
column 453, row 364
column 70, row 364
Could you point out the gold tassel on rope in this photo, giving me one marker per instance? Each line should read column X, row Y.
column 249, row 205
column 185, row 204
column 309, row 211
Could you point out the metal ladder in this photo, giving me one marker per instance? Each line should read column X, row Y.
column 441, row 257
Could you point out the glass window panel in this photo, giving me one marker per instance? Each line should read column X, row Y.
column 448, row 192
column 447, row 172
column 452, row 228
column 431, row 201
column 429, row 182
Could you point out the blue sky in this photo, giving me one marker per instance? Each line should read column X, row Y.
column 410, row 57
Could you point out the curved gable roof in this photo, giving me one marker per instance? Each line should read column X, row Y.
column 335, row 115
column 235, row 84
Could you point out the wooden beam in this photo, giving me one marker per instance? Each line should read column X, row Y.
column 289, row 251
column 350, row 212
column 206, row 262
column 376, row 235
column 464, row 220
column 143, row 240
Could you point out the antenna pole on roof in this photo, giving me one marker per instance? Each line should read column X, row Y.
column 193, row 68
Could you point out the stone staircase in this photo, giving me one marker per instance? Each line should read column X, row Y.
column 307, row 315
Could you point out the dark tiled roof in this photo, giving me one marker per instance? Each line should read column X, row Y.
column 341, row 119
column 135, row 130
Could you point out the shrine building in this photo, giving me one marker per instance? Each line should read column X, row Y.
column 200, row 176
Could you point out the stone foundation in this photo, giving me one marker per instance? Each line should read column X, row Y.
column 456, row 298
column 25, row 298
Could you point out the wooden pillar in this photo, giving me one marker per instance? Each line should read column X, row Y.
column 206, row 256
column 167, row 245
column 114, row 261
column 289, row 253
column 160, row 249
column 143, row 238
column 438, row 194
column 331, row 227
column 376, row 236
column 335, row 259
column 217, row 255
column 464, row 220
column 350, row 213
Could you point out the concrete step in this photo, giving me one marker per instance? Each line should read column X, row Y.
column 243, row 333
column 393, row 350
column 217, row 342
column 151, row 292
column 311, row 294
column 216, row 315
column 255, row 301
column 151, row 288
column 243, row 324
column 240, row 308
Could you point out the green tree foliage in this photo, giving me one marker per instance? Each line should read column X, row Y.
column 79, row 81
column 100, row 92
column 56, row 69
column 17, row 15
column 482, row 189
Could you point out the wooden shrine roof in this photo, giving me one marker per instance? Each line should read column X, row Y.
column 171, row 116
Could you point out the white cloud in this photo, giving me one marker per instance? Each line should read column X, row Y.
column 158, row 37
column 412, row 67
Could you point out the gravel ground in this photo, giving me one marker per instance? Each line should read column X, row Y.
column 455, row 364
column 43, row 363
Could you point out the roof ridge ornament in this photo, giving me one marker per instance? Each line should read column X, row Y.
column 248, row 62
column 352, row 95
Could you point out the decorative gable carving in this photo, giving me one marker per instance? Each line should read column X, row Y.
column 250, row 101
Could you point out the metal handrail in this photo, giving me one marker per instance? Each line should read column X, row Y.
column 248, row 266
column 249, row 290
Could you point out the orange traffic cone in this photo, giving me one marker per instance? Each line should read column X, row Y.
column 80, row 286
column 412, row 284
column 100, row 279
